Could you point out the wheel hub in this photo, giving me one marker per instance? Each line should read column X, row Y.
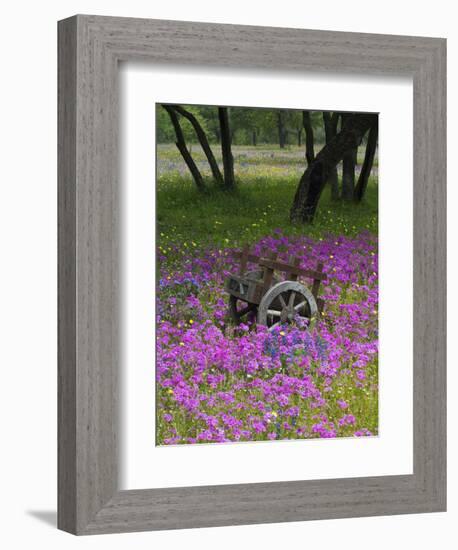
column 287, row 314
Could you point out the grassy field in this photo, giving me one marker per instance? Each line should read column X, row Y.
column 267, row 179
column 260, row 204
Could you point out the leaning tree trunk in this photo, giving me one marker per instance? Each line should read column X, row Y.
column 348, row 169
column 202, row 137
column 316, row 175
column 228, row 160
column 181, row 146
column 330, row 131
column 371, row 147
column 309, row 141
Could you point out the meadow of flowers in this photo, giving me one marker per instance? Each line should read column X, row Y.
column 248, row 161
column 217, row 382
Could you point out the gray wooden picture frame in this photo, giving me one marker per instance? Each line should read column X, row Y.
column 90, row 49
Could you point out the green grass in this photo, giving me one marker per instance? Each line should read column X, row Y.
column 255, row 209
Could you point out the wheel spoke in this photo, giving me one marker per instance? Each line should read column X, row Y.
column 283, row 303
column 300, row 306
column 292, row 297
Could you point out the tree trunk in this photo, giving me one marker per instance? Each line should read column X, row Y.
column 330, row 131
column 299, row 137
column 348, row 168
column 228, row 160
column 371, row 147
column 348, row 174
column 281, row 129
column 181, row 146
column 309, row 139
column 333, row 180
column 316, row 175
column 254, row 138
column 201, row 136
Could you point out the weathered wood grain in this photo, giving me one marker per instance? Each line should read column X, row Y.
column 90, row 48
column 67, row 421
column 293, row 268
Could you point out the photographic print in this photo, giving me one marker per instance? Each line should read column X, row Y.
column 266, row 274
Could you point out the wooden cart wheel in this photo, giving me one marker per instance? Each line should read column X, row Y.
column 240, row 310
column 283, row 302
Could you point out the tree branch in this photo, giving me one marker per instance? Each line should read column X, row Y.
column 181, row 146
column 201, row 136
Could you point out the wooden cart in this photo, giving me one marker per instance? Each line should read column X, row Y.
column 274, row 301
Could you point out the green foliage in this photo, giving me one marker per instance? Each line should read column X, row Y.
column 248, row 125
column 164, row 129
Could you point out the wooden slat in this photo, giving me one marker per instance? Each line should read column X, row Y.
column 294, row 262
column 316, row 280
column 269, row 271
column 281, row 266
column 245, row 253
column 250, row 257
column 244, row 259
